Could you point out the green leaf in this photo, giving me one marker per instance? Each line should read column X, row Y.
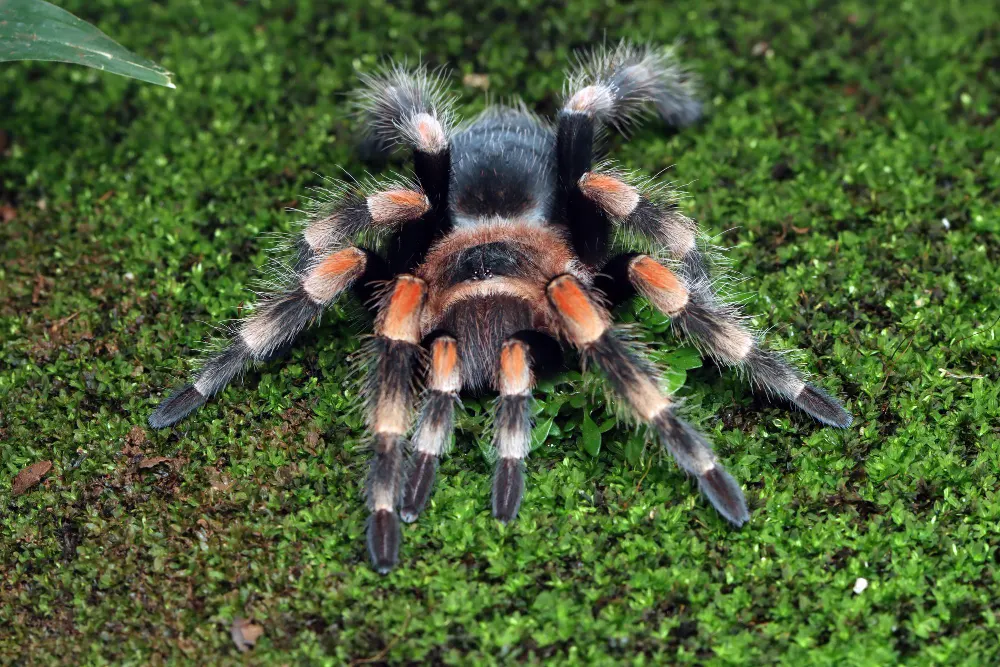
column 634, row 448
column 591, row 435
column 541, row 432
column 684, row 358
column 37, row 30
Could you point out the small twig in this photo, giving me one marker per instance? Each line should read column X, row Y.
column 958, row 376
column 973, row 335
column 643, row 478
column 59, row 324
column 890, row 364
column 384, row 652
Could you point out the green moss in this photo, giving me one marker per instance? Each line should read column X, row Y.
column 838, row 139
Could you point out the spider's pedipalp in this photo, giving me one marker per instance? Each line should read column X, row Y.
column 616, row 85
column 719, row 329
column 390, row 390
column 585, row 323
column 434, row 425
column 512, row 428
column 275, row 322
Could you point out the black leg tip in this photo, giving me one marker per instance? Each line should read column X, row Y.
column 178, row 406
column 725, row 494
column 418, row 486
column 823, row 407
column 383, row 540
column 508, row 489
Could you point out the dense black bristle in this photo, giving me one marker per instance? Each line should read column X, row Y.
column 178, row 406
column 823, row 407
column 613, row 282
column 725, row 495
column 383, row 540
column 418, row 485
column 508, row 489
column 693, row 453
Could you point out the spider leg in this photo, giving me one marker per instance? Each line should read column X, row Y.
column 277, row 320
column 638, row 213
column 587, row 326
column 410, row 107
column 611, row 87
column 355, row 212
column 718, row 329
column 391, row 392
column 617, row 86
column 512, row 427
column 434, row 425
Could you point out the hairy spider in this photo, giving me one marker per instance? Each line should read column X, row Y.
column 512, row 244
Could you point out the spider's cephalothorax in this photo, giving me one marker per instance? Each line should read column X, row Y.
column 508, row 246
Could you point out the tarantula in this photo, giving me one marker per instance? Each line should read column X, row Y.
column 511, row 244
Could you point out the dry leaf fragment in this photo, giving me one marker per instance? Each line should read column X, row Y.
column 153, row 461
column 480, row 81
column 245, row 633
column 7, row 212
column 30, row 476
column 219, row 481
column 136, row 437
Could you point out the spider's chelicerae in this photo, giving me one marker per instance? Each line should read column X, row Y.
column 511, row 244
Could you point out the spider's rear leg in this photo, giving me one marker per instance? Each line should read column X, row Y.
column 274, row 323
column 587, row 326
column 396, row 353
column 718, row 329
column 434, row 425
column 617, row 86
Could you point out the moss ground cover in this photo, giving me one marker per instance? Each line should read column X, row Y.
column 850, row 160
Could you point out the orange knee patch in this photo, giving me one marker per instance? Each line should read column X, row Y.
column 445, row 369
column 393, row 206
column 580, row 319
column 334, row 274
column 658, row 284
column 401, row 317
column 341, row 262
column 515, row 370
column 612, row 194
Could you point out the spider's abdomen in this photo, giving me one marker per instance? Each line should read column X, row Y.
column 502, row 167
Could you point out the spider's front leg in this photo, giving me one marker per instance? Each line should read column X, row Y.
column 587, row 326
column 612, row 87
column 435, row 425
column 512, row 428
column 410, row 108
column 396, row 354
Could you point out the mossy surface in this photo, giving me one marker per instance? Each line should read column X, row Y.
column 850, row 160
